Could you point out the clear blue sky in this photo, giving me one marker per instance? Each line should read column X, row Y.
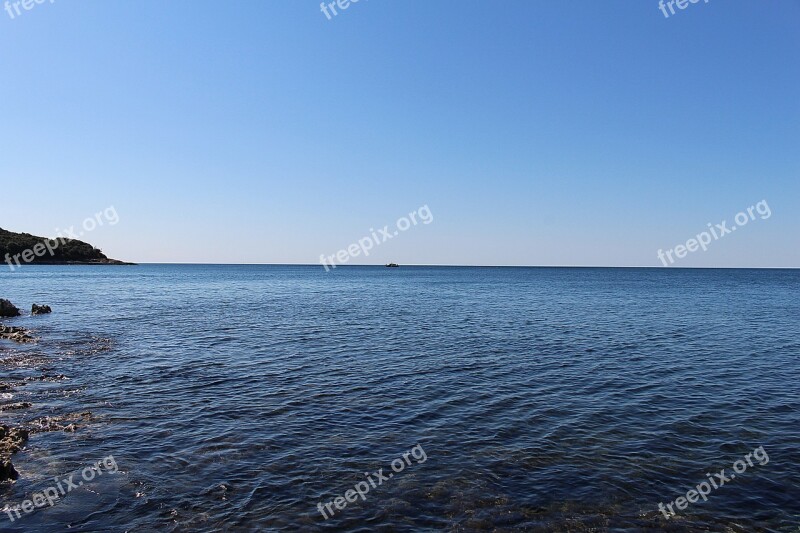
column 538, row 133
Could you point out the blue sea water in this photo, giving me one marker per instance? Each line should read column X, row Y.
column 237, row 398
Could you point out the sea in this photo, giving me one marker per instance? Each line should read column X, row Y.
column 265, row 398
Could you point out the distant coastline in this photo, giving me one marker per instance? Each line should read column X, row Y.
column 17, row 249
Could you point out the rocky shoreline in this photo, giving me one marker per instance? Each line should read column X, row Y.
column 14, row 437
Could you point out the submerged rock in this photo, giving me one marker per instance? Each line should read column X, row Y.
column 11, row 441
column 45, row 377
column 7, row 309
column 40, row 309
column 16, row 334
column 15, row 406
column 69, row 422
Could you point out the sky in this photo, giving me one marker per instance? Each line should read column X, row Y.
column 560, row 133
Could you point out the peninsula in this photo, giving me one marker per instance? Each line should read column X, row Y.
column 23, row 248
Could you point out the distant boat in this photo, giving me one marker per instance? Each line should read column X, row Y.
column 392, row 265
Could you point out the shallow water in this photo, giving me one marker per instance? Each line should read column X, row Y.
column 239, row 397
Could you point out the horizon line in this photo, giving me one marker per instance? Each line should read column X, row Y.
column 417, row 265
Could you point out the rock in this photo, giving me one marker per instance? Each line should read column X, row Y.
column 15, row 334
column 40, row 309
column 7, row 309
column 7, row 470
column 11, row 441
column 69, row 422
column 43, row 377
column 15, row 406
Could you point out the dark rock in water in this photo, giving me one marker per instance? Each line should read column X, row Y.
column 11, row 441
column 7, row 309
column 7, row 471
column 15, row 406
column 40, row 309
column 69, row 422
column 15, row 334
column 44, row 377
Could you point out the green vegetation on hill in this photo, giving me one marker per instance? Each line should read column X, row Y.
column 63, row 250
